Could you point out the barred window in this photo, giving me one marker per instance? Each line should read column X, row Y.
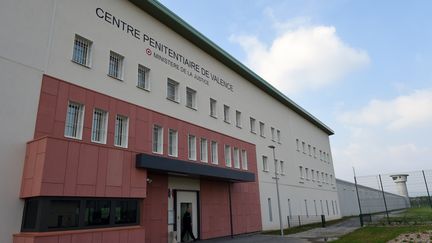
column 203, row 150
column 172, row 90
column 99, row 127
column 81, row 51
column 172, row 142
column 236, row 158
column 115, row 65
column 121, row 131
column 191, row 98
column 228, row 155
column 192, row 147
column 214, row 152
column 157, row 139
column 143, row 77
column 74, row 120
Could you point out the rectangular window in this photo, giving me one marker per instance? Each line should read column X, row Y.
column 328, row 158
column 226, row 114
column 192, row 147
column 298, row 144
column 314, row 152
column 315, row 206
column 328, row 211
column 265, row 163
column 304, row 147
column 238, row 119
column 317, row 176
column 74, row 120
column 307, row 173
column 333, row 207
column 97, row 212
column 191, row 98
column 252, row 125
column 115, row 69
column 228, row 155
column 214, row 152
column 172, row 142
column 331, row 179
column 324, row 157
column 82, row 51
column 125, row 212
column 306, row 207
column 262, row 131
column 272, row 130
column 270, row 209
column 172, row 90
column 143, row 77
column 203, row 150
column 320, row 154
column 63, row 214
column 121, row 131
column 213, row 110
column 244, row 159
column 301, row 172
column 282, row 168
column 289, row 208
column 157, row 139
column 322, row 177
column 310, row 150
column 99, row 126
column 236, row 152
column 327, row 178
column 278, row 134
column 313, row 175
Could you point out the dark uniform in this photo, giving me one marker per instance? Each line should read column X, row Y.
column 187, row 226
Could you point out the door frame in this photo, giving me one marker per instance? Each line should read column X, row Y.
column 198, row 210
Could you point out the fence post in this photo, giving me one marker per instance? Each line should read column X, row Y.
column 358, row 199
column 385, row 202
column 299, row 220
column 289, row 226
column 323, row 221
column 427, row 189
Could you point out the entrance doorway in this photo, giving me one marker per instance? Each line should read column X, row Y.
column 187, row 200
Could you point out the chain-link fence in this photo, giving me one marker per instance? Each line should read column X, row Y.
column 397, row 198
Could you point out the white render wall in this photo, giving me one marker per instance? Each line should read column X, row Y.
column 52, row 28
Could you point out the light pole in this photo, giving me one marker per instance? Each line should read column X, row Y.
column 277, row 190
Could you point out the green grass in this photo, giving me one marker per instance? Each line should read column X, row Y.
column 302, row 228
column 411, row 216
column 379, row 234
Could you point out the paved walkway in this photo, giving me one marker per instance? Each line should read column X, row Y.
column 257, row 238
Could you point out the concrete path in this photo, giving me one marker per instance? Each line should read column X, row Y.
column 256, row 238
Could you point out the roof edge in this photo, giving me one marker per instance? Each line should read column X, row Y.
column 177, row 24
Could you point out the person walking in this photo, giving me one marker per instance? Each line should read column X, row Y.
column 187, row 225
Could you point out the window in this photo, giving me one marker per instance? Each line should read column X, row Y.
column 214, row 152
column 310, row 150
column 143, row 77
column 333, row 207
column 121, row 131
column 270, row 209
column 327, row 178
column 324, row 157
column 301, row 172
column 192, row 147
column 322, row 208
column 289, row 208
column 265, row 163
column 115, row 69
column 125, row 211
column 236, row 158
column 317, row 176
column 278, row 134
column 252, row 125
column 320, row 154
column 238, row 119
column 172, row 142
column 97, row 212
column 228, row 155
column 331, row 179
column 213, row 111
column 314, row 152
column 328, row 211
column 74, row 120
column 157, row 139
column 82, row 51
column 172, row 90
column 307, row 173
column 244, row 159
column 203, row 150
column 304, row 147
column 298, row 144
column 322, row 177
column 262, row 127
column 306, row 207
column 63, row 214
column 191, row 98
column 282, row 168
column 313, row 175
column 226, row 114
column 99, row 126
column 315, row 206
column 272, row 130
column 328, row 158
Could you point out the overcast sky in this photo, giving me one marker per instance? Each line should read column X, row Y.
column 364, row 68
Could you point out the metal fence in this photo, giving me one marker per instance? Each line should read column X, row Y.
column 385, row 198
column 299, row 220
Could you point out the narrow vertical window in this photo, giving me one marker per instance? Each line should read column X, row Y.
column 289, row 208
column 331, row 179
column 320, row 154
column 99, row 126
column 317, row 176
column 81, row 51
column 298, row 144
column 278, row 135
column 324, row 157
column 301, row 172
column 322, row 208
column 226, row 114
column 328, row 211
column 172, row 142
column 143, row 77
column 74, row 120
column 306, row 207
column 307, row 173
column 236, row 152
column 115, row 68
column 228, row 155
column 203, row 150
column 252, row 125
column 157, row 139
column 272, row 130
column 315, row 206
column 313, row 175
column 192, row 147
column 244, row 159
column 214, row 152
column 270, row 209
column 314, row 152
column 333, row 207
column 172, row 90
column 304, row 147
column 282, row 168
column 265, row 163
column 191, row 98
column 213, row 111
column 262, row 127
column 238, row 119
column 310, row 150
column 121, row 131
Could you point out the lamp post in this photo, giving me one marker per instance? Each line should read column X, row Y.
column 277, row 189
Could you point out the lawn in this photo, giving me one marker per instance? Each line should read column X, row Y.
column 379, row 234
column 413, row 216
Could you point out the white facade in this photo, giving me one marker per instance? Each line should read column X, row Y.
column 38, row 37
